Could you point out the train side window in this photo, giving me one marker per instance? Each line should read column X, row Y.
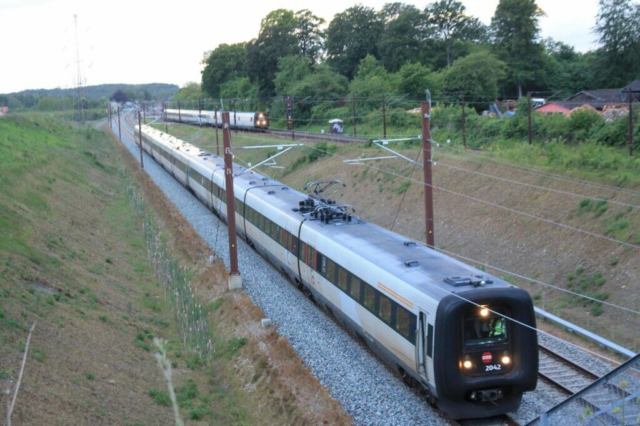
column 355, row 288
column 322, row 264
column 342, row 278
column 294, row 244
column 385, row 309
column 313, row 258
column 303, row 252
column 331, row 271
column 403, row 321
column 369, row 297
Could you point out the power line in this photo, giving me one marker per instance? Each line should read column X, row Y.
column 514, row 274
column 538, row 187
column 543, row 174
column 512, row 210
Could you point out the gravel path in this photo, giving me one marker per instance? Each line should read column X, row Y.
column 365, row 388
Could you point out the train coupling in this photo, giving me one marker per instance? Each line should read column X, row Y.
column 487, row 395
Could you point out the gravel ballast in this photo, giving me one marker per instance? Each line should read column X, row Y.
column 367, row 390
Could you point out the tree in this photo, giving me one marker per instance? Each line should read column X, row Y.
column 276, row 40
column 414, row 78
column 516, row 31
column 120, row 96
column 404, row 35
column 225, row 63
column 352, row 35
column 450, row 24
column 477, row 75
column 310, row 36
column 323, row 83
column 370, row 83
column 291, row 70
column 618, row 28
column 189, row 92
column 240, row 93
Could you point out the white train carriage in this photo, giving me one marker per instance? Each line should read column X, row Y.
column 237, row 119
column 409, row 303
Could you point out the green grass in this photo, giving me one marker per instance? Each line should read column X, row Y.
column 234, row 345
column 160, row 397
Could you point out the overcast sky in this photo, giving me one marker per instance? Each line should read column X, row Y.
column 145, row 41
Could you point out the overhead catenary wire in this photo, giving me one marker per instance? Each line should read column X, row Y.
column 573, row 293
column 542, row 174
column 558, row 191
column 496, row 205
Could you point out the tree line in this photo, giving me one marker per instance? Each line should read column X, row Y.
column 401, row 49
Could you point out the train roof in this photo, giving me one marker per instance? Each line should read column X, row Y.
column 425, row 269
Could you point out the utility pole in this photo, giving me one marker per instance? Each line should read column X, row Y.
column 109, row 113
column 353, row 104
column 529, row 115
column 216, row 126
column 428, row 182
column 119, row 129
column 235, row 279
column 78, row 93
column 235, row 118
column 144, row 111
column 630, row 130
column 464, row 122
column 140, row 139
column 384, row 117
column 166, row 123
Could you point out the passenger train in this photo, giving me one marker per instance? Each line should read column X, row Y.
column 465, row 338
column 238, row 119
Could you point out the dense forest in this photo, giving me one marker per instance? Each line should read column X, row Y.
column 403, row 50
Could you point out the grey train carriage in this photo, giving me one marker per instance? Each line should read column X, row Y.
column 440, row 323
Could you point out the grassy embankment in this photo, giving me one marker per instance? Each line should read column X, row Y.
column 74, row 258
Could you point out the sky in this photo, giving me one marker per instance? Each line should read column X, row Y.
column 140, row 41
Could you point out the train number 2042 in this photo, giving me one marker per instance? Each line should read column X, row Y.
column 495, row 367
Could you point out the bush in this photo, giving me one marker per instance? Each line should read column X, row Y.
column 583, row 124
column 160, row 398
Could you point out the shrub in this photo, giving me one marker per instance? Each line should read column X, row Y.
column 584, row 123
column 159, row 397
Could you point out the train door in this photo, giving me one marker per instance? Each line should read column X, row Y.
column 210, row 194
column 422, row 339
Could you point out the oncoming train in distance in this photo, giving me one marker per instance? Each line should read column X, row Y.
column 238, row 119
column 465, row 338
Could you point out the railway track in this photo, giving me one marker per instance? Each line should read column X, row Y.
column 571, row 378
column 306, row 136
column 562, row 373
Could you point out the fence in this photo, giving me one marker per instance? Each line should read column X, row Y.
column 192, row 320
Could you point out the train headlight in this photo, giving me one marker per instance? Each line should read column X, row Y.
column 484, row 311
column 506, row 360
column 467, row 364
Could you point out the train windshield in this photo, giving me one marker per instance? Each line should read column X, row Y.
column 485, row 331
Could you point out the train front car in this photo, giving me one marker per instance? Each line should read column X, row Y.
column 486, row 352
column 261, row 120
